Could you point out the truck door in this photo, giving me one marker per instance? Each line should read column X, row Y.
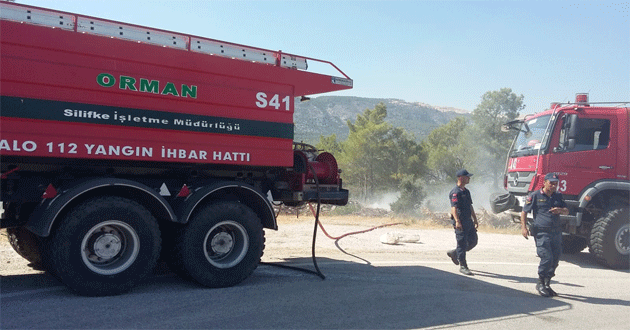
column 583, row 151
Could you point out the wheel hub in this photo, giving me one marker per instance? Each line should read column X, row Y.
column 222, row 243
column 622, row 240
column 110, row 247
column 226, row 244
column 107, row 246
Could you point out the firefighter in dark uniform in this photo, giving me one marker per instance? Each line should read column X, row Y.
column 464, row 221
column 547, row 206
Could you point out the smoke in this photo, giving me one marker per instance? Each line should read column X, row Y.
column 437, row 195
column 436, row 199
column 382, row 201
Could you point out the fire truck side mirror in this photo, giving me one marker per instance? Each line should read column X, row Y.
column 573, row 127
column 572, row 131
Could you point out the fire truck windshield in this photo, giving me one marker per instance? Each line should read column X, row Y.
column 530, row 137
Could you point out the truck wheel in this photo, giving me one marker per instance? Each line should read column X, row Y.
column 26, row 244
column 573, row 244
column 610, row 239
column 104, row 246
column 220, row 246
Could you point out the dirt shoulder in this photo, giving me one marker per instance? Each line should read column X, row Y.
column 361, row 236
column 354, row 238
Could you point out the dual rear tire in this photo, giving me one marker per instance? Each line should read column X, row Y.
column 107, row 245
column 104, row 246
column 27, row 245
column 220, row 246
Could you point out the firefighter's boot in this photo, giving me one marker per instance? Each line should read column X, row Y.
column 463, row 268
column 547, row 282
column 542, row 289
column 453, row 255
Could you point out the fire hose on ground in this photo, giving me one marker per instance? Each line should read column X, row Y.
column 318, row 223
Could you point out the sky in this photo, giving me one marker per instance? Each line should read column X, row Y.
column 442, row 53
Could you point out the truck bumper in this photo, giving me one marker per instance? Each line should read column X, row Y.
column 334, row 197
column 328, row 197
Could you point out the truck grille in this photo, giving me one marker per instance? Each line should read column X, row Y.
column 518, row 182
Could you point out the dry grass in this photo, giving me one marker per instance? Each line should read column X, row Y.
column 367, row 222
column 364, row 216
column 431, row 221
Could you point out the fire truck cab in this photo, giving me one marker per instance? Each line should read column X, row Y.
column 587, row 145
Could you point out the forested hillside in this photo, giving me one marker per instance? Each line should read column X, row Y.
column 326, row 115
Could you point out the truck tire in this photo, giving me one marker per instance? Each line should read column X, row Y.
column 104, row 246
column 220, row 246
column 573, row 244
column 610, row 239
column 27, row 245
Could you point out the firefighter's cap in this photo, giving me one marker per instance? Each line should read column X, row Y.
column 463, row 173
column 552, row 177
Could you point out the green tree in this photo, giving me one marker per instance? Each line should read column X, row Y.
column 365, row 154
column 376, row 156
column 496, row 108
column 479, row 145
column 330, row 144
column 411, row 196
column 446, row 150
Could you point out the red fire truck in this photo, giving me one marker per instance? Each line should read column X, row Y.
column 587, row 145
column 122, row 142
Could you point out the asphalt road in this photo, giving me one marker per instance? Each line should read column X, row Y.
column 368, row 285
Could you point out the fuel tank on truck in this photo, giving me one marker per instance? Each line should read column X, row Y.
column 91, row 90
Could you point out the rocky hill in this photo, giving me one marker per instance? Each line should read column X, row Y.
column 326, row 115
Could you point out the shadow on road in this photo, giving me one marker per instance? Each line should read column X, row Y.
column 595, row 301
column 353, row 295
column 585, row 259
column 510, row 278
column 359, row 295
